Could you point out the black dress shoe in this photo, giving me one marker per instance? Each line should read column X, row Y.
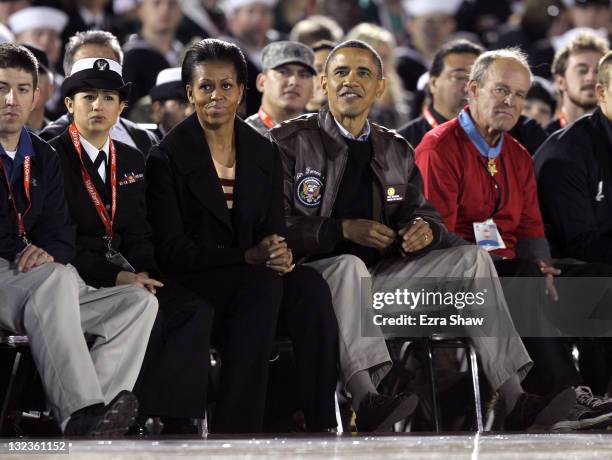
column 98, row 420
column 380, row 412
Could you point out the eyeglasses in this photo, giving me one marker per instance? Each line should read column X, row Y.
column 504, row 93
column 462, row 78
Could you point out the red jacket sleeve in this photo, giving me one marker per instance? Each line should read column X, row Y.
column 441, row 179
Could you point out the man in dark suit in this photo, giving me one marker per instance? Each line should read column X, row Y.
column 98, row 43
column 105, row 187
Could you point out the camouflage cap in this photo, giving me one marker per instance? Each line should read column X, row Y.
column 277, row 54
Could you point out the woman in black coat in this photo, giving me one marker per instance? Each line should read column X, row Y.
column 215, row 203
column 114, row 246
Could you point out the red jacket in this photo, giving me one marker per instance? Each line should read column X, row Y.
column 458, row 184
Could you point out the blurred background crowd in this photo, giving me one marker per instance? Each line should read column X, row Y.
column 153, row 35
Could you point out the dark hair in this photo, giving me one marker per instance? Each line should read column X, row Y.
column 461, row 46
column 90, row 37
column 18, row 57
column 357, row 44
column 212, row 49
column 322, row 45
column 543, row 90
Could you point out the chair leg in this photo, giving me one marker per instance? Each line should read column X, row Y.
column 473, row 364
column 434, row 388
column 340, row 428
column 10, row 392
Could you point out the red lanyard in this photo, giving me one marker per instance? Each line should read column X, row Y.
column 562, row 120
column 26, row 186
column 267, row 119
column 429, row 117
column 91, row 189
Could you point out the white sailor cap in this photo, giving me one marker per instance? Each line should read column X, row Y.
column 6, row 36
column 169, row 85
column 168, row 76
column 229, row 6
column 95, row 73
column 38, row 17
column 417, row 8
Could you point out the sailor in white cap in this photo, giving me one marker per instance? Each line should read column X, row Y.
column 105, row 190
column 40, row 26
column 169, row 101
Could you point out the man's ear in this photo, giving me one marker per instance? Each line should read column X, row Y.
column 600, row 90
column 432, row 84
column 380, row 88
column 69, row 103
column 259, row 82
column 324, row 84
column 560, row 83
column 35, row 98
column 472, row 88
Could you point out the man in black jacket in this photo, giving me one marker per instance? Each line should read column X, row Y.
column 574, row 174
column 46, row 299
column 448, row 76
column 356, row 212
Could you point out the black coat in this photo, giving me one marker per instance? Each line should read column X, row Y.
column 131, row 231
column 570, row 166
column 192, row 226
column 47, row 222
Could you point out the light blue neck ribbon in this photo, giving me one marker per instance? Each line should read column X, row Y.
column 466, row 122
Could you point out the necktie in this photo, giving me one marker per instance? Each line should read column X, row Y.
column 100, row 159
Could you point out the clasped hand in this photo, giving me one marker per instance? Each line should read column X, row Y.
column 272, row 251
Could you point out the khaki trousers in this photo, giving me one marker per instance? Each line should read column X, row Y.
column 54, row 307
column 502, row 354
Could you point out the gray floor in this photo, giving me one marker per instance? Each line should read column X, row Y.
column 349, row 447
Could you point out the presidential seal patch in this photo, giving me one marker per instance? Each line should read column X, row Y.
column 309, row 191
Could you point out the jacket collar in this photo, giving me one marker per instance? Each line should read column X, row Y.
column 103, row 188
column 189, row 151
column 334, row 142
column 188, row 146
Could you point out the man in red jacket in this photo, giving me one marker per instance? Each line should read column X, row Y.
column 482, row 182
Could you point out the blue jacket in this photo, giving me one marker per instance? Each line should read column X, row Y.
column 47, row 222
column 574, row 173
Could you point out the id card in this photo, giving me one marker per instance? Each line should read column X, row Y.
column 116, row 258
column 487, row 235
